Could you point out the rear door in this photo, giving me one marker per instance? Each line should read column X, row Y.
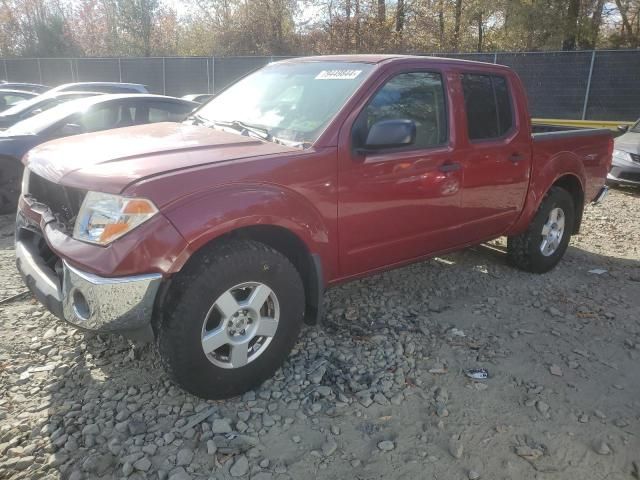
column 497, row 154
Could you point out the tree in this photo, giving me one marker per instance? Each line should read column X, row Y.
column 136, row 20
column 629, row 33
column 284, row 27
column 456, row 25
column 571, row 25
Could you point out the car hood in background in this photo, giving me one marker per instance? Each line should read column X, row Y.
column 629, row 142
column 17, row 146
column 7, row 121
column 109, row 161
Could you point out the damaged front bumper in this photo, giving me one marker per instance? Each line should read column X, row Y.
column 83, row 299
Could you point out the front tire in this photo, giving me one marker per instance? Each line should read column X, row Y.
column 541, row 247
column 230, row 319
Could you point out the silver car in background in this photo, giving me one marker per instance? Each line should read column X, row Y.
column 625, row 168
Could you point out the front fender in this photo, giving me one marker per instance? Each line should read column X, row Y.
column 205, row 216
column 548, row 169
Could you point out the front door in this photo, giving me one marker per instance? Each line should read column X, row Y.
column 396, row 204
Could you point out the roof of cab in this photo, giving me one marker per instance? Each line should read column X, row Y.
column 386, row 58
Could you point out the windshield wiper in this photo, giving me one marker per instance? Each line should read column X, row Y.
column 241, row 126
column 261, row 132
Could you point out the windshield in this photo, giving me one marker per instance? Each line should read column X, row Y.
column 45, row 101
column 27, row 105
column 289, row 102
column 36, row 124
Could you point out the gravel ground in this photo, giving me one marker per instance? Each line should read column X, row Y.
column 380, row 392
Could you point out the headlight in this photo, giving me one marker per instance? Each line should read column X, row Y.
column 621, row 155
column 104, row 217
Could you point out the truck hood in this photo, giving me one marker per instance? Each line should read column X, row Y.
column 109, row 161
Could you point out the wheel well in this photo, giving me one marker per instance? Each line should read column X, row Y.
column 292, row 247
column 572, row 185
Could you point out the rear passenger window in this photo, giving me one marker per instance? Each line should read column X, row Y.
column 415, row 96
column 488, row 106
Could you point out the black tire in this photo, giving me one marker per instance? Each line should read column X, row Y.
column 523, row 250
column 10, row 180
column 190, row 297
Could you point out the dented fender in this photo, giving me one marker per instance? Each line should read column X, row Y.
column 206, row 216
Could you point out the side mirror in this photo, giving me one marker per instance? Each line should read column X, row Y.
column 71, row 129
column 390, row 134
column 623, row 128
column 35, row 112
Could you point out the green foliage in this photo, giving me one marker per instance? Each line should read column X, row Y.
column 51, row 39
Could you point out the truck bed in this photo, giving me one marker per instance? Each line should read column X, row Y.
column 554, row 145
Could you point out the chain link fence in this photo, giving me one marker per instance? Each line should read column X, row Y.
column 587, row 85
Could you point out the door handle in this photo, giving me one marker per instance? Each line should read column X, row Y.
column 516, row 157
column 450, row 167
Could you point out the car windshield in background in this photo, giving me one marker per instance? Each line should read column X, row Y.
column 26, row 105
column 36, row 124
column 287, row 102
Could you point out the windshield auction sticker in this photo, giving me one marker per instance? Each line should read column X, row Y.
column 338, row 74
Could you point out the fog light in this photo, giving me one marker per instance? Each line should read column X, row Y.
column 81, row 306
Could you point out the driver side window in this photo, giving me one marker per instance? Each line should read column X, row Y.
column 102, row 117
column 416, row 96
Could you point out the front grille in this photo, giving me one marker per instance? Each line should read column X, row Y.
column 634, row 177
column 64, row 202
column 635, row 157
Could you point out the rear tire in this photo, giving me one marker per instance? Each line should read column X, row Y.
column 541, row 247
column 232, row 293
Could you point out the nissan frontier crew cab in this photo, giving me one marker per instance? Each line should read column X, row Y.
column 218, row 235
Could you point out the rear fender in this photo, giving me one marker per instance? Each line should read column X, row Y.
column 543, row 177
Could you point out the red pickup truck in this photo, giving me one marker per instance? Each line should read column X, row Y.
column 219, row 235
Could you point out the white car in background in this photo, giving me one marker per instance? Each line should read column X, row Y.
column 625, row 168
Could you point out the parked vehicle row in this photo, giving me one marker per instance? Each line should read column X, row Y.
column 26, row 87
column 104, row 87
column 63, row 112
column 9, row 97
column 217, row 236
column 36, row 105
column 21, row 109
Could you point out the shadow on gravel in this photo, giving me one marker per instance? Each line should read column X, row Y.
column 584, row 258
